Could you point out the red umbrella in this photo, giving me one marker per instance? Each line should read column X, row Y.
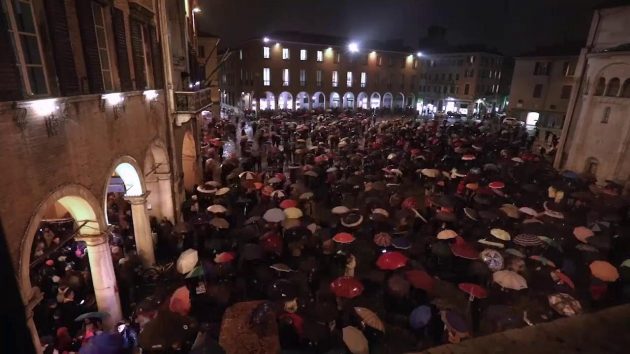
column 391, row 260
column 272, row 242
column 224, row 257
column 496, row 185
column 420, row 279
column 560, row 277
column 343, row 237
column 288, row 203
column 346, row 287
column 383, row 239
column 410, row 203
column 463, row 249
column 473, row 290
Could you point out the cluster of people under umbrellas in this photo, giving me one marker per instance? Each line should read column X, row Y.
column 382, row 236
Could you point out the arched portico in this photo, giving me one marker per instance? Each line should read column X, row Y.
column 190, row 167
column 362, row 100
column 157, row 178
column 268, row 101
column 388, row 100
column 302, row 101
column 411, row 101
column 319, row 100
column 335, row 100
column 375, row 100
column 399, row 100
column 285, row 100
column 348, row 100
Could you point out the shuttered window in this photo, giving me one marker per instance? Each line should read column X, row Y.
column 156, row 56
column 137, row 49
column 120, row 43
column 103, row 50
column 90, row 46
column 10, row 85
column 62, row 48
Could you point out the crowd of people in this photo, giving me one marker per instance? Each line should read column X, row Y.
column 336, row 232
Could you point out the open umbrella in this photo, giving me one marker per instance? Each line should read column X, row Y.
column 354, row 339
column 383, row 239
column 500, row 234
column 274, row 215
column 401, row 243
column 346, row 287
column 391, row 260
column 564, row 304
column 224, row 257
column 167, row 331
column 340, row 210
column 492, row 258
column 343, row 237
column 420, row 317
column 288, row 203
column 187, row 261
column 420, row 279
column 217, row 209
column 293, row 213
column 430, row 172
column 562, row 278
column 528, row 211
column 582, row 233
column 446, row 234
column 510, row 210
column 527, row 240
column 604, row 271
column 104, row 343
column 370, row 318
column 463, row 249
column 515, row 253
column 509, row 280
column 180, row 301
column 455, row 322
column 220, row 223
column 281, row 267
column 496, row 185
column 96, row 315
column 543, row 261
column 473, row 290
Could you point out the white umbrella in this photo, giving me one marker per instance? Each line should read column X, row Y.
column 509, row 279
column 187, row 261
column 217, row 208
column 274, row 215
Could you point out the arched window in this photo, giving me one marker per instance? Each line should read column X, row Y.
column 601, row 86
column 612, row 90
column 590, row 167
column 625, row 89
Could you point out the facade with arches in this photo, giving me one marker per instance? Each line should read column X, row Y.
column 596, row 135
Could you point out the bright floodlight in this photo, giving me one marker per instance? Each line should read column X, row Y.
column 196, row 9
column 353, row 47
column 419, row 54
column 265, row 39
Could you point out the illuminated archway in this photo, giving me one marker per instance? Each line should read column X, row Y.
column 268, row 101
column 189, row 162
column 302, row 100
column 362, row 100
column 334, row 100
column 411, row 101
column 348, row 100
column 157, row 178
column 319, row 100
column 388, row 100
column 375, row 100
column 285, row 100
column 399, row 100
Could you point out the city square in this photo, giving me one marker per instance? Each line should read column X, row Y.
column 185, row 177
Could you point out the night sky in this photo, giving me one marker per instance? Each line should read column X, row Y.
column 511, row 26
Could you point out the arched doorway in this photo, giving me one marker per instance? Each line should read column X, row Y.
column 125, row 192
column 387, row 100
column 302, row 101
column 268, row 101
column 362, row 100
column 190, row 167
column 285, row 100
column 399, row 101
column 157, row 178
column 375, row 100
column 334, row 100
column 348, row 100
column 80, row 232
column 411, row 101
column 319, row 100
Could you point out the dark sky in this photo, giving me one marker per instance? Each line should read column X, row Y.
column 511, row 26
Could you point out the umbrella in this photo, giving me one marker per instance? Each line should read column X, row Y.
column 196, row 272
column 288, row 203
column 483, row 241
column 397, row 285
column 582, row 233
column 180, row 301
column 455, row 322
column 274, row 215
column 217, row 208
column 355, row 340
column 463, row 249
column 509, row 280
column 401, row 243
column 496, row 185
column 166, row 331
column 492, row 258
column 97, row 315
column 515, row 253
column 370, row 318
column 564, row 304
column 420, row 317
column 528, row 211
column 446, row 234
column 391, row 260
column 224, row 257
column 346, row 287
column 510, row 210
column 187, row 261
column 560, row 277
column 382, row 239
column 220, row 223
column 543, row 261
column 500, row 234
column 293, row 213
column 281, row 267
column 104, row 343
column 473, row 186
column 586, row 248
column 471, row 214
column 306, row 195
column 604, row 271
column 468, row 157
column 527, row 240
column 551, row 242
column 430, row 172
column 420, row 279
column 247, row 175
column 473, row 290
column 340, row 210
column 343, row 237
column 624, row 270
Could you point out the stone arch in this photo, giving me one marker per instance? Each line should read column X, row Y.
column 285, row 100
column 612, row 89
column 410, row 101
column 348, row 100
column 375, row 100
column 158, row 180
column 388, row 100
column 334, row 100
column 600, row 87
column 268, row 102
column 302, row 100
column 399, row 100
column 362, row 100
column 625, row 89
column 319, row 100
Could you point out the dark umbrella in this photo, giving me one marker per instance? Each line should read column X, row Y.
column 167, row 331
column 97, row 315
column 104, row 343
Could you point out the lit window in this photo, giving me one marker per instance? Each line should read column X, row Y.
column 302, row 54
column 302, row 77
column 266, row 77
column 285, row 77
column 379, row 60
column 349, row 79
column 101, row 42
column 25, row 40
column 415, row 63
column 240, row 54
column 471, row 59
column 320, row 55
column 318, row 77
column 266, row 52
column 335, row 78
column 337, row 58
column 285, row 53
column 363, row 79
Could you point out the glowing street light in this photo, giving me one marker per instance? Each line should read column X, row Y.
column 266, row 39
column 353, row 47
column 419, row 54
column 196, row 9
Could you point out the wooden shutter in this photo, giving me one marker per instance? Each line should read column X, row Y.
column 11, row 84
column 156, row 56
column 120, row 39
column 90, row 46
column 62, row 48
column 137, row 51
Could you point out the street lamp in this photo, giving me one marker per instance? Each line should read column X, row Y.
column 266, row 39
column 353, row 47
column 196, row 9
column 419, row 54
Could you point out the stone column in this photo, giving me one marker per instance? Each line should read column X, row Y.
column 166, row 196
column 142, row 229
column 103, row 277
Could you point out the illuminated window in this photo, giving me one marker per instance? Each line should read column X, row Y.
column 302, row 77
column 349, row 79
column 266, row 52
column 337, row 58
column 415, row 63
column 266, row 76
column 363, row 79
column 335, row 78
column 285, row 53
column 379, row 60
column 318, row 77
column 471, row 59
column 320, row 55
column 302, row 54
column 101, row 41
column 240, row 54
column 285, row 77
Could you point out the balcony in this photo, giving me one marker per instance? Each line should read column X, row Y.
column 192, row 102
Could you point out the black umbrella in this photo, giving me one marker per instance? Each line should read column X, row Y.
column 167, row 331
